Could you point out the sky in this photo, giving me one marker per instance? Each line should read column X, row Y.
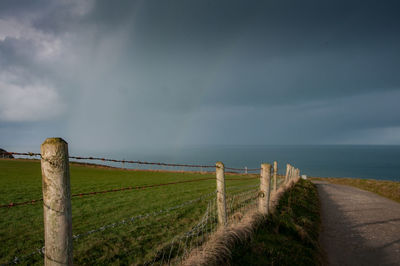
column 111, row 75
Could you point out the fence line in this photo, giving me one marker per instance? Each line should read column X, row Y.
column 120, row 161
column 90, row 158
column 237, row 203
column 199, row 233
column 241, row 169
column 119, row 223
column 206, row 225
column 221, row 208
column 142, row 216
column 14, row 204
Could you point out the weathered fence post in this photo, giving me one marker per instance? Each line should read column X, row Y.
column 245, row 170
column 265, row 180
column 221, row 201
column 275, row 174
column 287, row 173
column 56, row 202
column 291, row 173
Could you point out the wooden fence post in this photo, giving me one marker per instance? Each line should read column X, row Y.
column 265, row 181
column 291, row 173
column 56, row 202
column 275, row 174
column 221, row 201
column 287, row 173
column 245, row 170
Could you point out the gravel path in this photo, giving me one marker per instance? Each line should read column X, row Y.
column 358, row 227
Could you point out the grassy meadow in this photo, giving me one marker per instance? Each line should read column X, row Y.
column 21, row 227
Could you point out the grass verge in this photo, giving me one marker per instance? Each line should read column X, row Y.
column 290, row 235
column 131, row 243
column 388, row 189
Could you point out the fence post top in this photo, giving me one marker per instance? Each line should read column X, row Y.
column 54, row 141
column 266, row 166
column 219, row 165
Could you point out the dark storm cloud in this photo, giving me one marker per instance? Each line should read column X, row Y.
column 23, row 7
column 268, row 51
column 186, row 72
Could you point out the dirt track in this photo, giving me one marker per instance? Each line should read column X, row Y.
column 358, row 227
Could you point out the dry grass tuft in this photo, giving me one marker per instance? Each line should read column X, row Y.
column 302, row 233
column 218, row 248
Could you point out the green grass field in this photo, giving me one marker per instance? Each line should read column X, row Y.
column 21, row 227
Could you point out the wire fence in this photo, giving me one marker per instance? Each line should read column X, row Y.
column 101, row 161
column 161, row 236
column 126, row 221
column 33, row 201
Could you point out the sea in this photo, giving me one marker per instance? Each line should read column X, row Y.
column 356, row 161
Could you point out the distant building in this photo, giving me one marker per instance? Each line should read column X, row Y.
column 5, row 154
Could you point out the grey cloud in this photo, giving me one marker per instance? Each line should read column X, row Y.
column 23, row 7
column 281, row 52
column 213, row 71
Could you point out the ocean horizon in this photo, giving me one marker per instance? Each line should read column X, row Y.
column 380, row 162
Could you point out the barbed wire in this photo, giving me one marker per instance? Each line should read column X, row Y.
column 141, row 187
column 249, row 191
column 131, row 219
column 184, row 242
column 185, row 239
column 22, row 153
column 241, row 179
column 235, row 202
column 16, row 260
column 12, row 204
column 142, row 216
column 137, row 162
column 204, row 225
column 117, row 161
column 234, row 188
column 243, row 169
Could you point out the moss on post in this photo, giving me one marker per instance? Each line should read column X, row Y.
column 264, row 194
column 221, row 201
column 56, row 202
